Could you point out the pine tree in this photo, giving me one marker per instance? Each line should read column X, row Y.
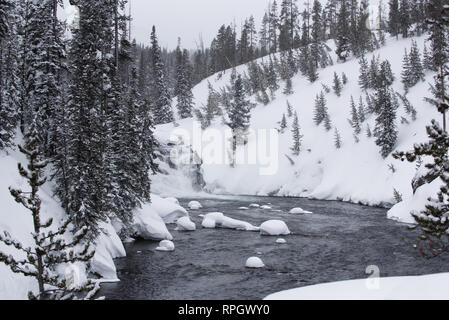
column 179, row 69
column 365, row 37
column 343, row 31
column 283, row 124
column 289, row 109
column 386, row 76
column 130, row 154
column 293, row 67
column 439, row 33
column 252, row 33
column 337, row 85
column 44, row 60
column 355, row 120
column 406, row 74
column 297, row 137
column 433, row 220
column 362, row 111
column 320, row 113
column 385, row 130
column 404, row 17
column 355, row 35
column 9, row 82
column 264, row 98
column 287, row 22
column 409, row 109
column 288, row 90
column 326, row 88
column 211, row 109
column 273, row 26
column 427, row 61
column 416, row 66
column 327, row 122
column 374, row 72
column 305, row 37
column 243, row 45
column 344, row 78
column 337, row 139
column 304, row 60
column 92, row 98
column 312, row 73
column 263, row 36
column 50, row 248
column 5, row 7
column 255, row 77
column 239, row 113
column 272, row 78
column 364, row 78
column 394, row 21
column 369, row 134
column 160, row 95
column 184, row 86
column 317, row 34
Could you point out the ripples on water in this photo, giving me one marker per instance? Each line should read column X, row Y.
column 337, row 242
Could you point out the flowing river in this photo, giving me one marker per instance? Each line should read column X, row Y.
column 337, row 242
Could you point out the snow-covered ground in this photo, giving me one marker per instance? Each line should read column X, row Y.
column 429, row 287
column 415, row 203
column 355, row 173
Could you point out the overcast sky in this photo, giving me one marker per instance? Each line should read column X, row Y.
column 189, row 18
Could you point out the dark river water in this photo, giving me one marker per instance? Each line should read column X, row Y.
column 337, row 242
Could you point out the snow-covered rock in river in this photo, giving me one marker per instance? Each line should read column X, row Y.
column 274, row 228
column 166, row 245
column 208, row 223
column 254, row 263
column 219, row 220
column 243, row 208
column 281, row 241
column 185, row 224
column 194, row 205
column 254, row 205
column 149, row 225
column 109, row 246
column 298, row 211
column 265, row 208
column 169, row 211
column 417, row 202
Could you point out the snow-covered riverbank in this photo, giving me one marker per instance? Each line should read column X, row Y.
column 428, row 287
column 17, row 221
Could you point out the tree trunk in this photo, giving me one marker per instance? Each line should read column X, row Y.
column 443, row 95
column 116, row 32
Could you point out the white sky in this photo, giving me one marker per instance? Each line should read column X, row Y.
column 189, row 18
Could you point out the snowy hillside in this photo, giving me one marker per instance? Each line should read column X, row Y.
column 355, row 173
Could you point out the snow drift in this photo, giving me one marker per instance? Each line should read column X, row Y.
column 417, row 202
column 429, row 287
